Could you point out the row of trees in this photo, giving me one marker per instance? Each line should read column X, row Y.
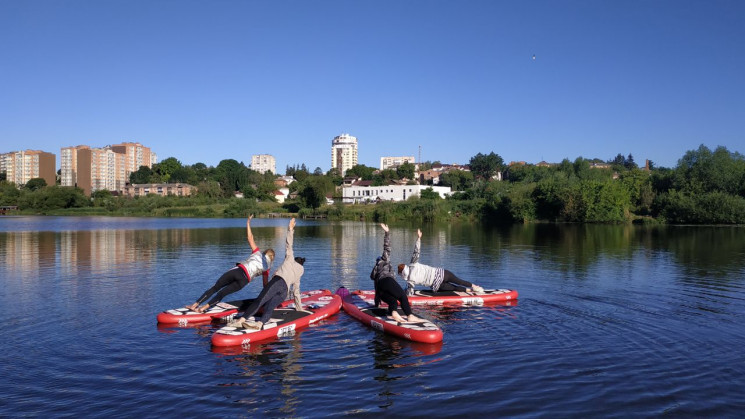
column 706, row 186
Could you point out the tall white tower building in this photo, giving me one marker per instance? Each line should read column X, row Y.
column 263, row 163
column 343, row 152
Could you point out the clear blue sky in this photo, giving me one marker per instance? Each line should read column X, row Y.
column 204, row 81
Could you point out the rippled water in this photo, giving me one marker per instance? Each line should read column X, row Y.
column 611, row 321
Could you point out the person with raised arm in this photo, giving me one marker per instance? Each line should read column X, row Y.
column 285, row 280
column 235, row 279
column 438, row 279
column 386, row 287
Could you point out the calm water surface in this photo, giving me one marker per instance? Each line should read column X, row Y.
column 612, row 321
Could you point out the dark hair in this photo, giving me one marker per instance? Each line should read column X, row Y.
column 299, row 260
column 401, row 267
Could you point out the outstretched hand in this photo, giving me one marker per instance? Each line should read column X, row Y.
column 249, row 219
column 384, row 227
column 419, row 233
column 292, row 224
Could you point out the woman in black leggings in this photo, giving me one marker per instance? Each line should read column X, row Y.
column 386, row 287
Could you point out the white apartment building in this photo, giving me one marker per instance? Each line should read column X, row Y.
column 343, row 152
column 361, row 192
column 263, row 163
column 22, row 166
column 393, row 162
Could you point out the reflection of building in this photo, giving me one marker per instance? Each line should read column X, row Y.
column 70, row 251
column 393, row 162
column 28, row 251
column 343, row 153
column 361, row 191
column 350, row 243
column 162, row 189
column 94, row 169
column 22, row 166
column 263, row 163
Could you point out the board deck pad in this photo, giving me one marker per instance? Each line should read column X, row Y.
column 223, row 311
column 382, row 314
column 284, row 321
column 183, row 316
column 280, row 316
column 428, row 297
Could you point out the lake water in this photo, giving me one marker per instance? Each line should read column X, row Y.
column 612, row 321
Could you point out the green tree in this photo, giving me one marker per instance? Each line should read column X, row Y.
column 430, row 193
column 54, row 197
column 200, row 173
column 335, row 177
column 702, row 170
column 101, row 197
column 486, row 166
column 639, row 186
column 581, row 168
column 405, row 171
column 209, row 189
column 629, row 163
column 384, row 177
column 457, row 180
column 9, row 194
column 167, row 167
column 35, row 184
column 313, row 190
column 181, row 175
column 300, row 173
column 549, row 196
column 231, row 176
column 361, row 171
column 142, row 175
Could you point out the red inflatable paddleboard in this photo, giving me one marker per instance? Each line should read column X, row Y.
column 361, row 307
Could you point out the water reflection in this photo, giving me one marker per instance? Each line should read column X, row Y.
column 393, row 359
column 601, row 306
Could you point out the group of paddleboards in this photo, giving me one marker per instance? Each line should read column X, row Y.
column 321, row 304
column 268, row 316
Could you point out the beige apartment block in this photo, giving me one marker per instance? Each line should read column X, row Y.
column 137, row 155
column 93, row 169
column 75, row 167
column 263, row 163
column 22, row 166
column 394, row 162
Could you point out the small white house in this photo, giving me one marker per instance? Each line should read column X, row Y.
column 281, row 194
column 363, row 192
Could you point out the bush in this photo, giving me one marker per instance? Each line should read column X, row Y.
column 705, row 208
column 240, row 208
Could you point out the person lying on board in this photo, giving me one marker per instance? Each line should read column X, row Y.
column 236, row 278
column 285, row 279
column 386, row 287
column 438, row 279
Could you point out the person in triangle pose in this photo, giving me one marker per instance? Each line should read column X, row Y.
column 286, row 280
column 438, row 279
column 386, row 287
column 238, row 277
